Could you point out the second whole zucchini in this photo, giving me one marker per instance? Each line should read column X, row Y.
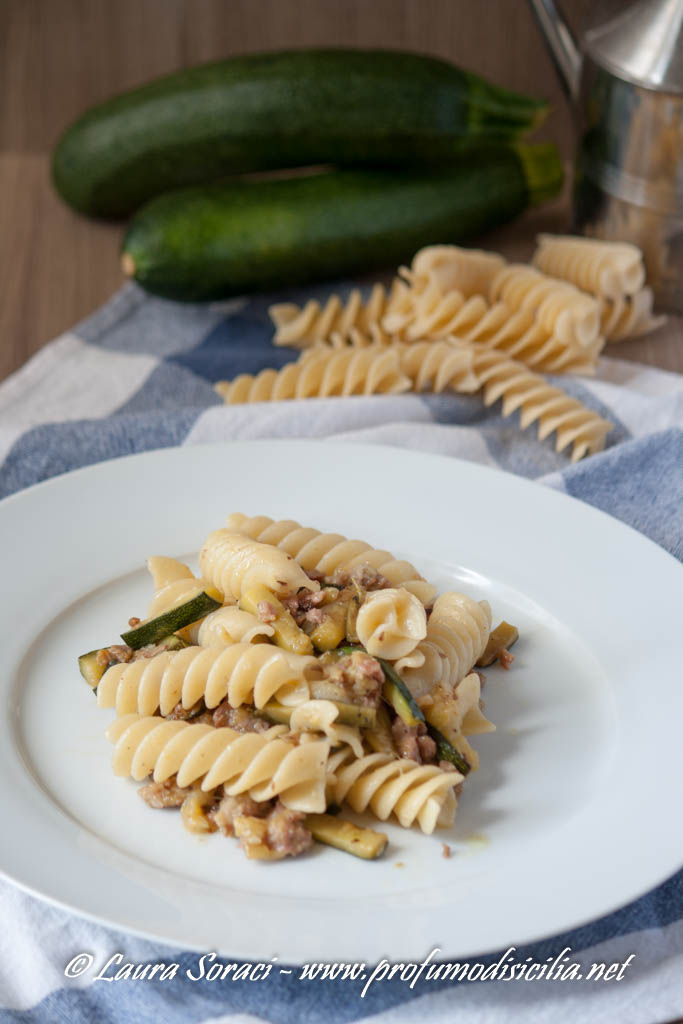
column 214, row 241
column 274, row 110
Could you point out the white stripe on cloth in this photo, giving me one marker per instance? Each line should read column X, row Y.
column 68, row 380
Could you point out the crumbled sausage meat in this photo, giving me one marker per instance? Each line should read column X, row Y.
column 164, row 794
column 266, row 611
column 359, row 674
column 287, row 834
column 231, row 807
column 412, row 741
column 241, row 719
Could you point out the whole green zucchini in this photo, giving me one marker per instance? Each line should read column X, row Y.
column 214, row 241
column 268, row 111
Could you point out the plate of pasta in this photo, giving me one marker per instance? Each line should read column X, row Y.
column 229, row 724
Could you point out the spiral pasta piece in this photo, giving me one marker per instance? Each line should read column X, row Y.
column 323, row 373
column 328, row 553
column 340, row 323
column 321, row 716
column 437, row 365
column 629, row 317
column 452, row 268
column 244, row 673
column 559, row 308
column 391, row 623
column 456, row 712
column 233, row 564
column 520, row 388
column 174, row 584
column 457, row 631
column 413, row 793
column 230, row 625
column 263, row 765
column 610, row 270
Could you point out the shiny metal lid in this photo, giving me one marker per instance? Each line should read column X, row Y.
column 643, row 44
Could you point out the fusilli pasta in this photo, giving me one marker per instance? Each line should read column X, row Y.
column 174, row 584
column 230, row 625
column 233, row 563
column 413, row 793
column 322, row 373
column 263, row 765
column 242, row 673
column 519, row 388
column 458, row 631
column 328, row 553
column 339, row 323
column 391, row 623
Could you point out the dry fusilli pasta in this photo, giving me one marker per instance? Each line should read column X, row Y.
column 519, row 388
column 328, row 553
column 321, row 373
column 242, row 673
column 263, row 765
column 608, row 269
column 339, row 323
column 451, row 268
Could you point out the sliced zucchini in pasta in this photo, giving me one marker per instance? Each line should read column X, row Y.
column 154, row 630
column 94, row 664
column 345, row 836
column 348, row 714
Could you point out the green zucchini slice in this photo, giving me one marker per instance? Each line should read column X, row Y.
column 154, row 630
column 349, row 714
column 445, row 751
column 91, row 668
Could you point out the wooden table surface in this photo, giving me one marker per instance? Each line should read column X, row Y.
column 57, row 57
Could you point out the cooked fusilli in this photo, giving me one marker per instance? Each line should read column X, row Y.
column 458, row 631
column 328, row 553
column 174, row 584
column 456, row 712
column 242, row 673
column 233, row 563
column 321, row 716
column 391, row 623
column 412, row 792
column 263, row 765
column 322, row 373
column 230, row 625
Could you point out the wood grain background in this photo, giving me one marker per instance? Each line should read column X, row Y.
column 58, row 57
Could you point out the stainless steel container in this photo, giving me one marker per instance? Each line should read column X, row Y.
column 626, row 84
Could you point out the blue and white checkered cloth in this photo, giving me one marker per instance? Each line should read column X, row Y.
column 138, row 375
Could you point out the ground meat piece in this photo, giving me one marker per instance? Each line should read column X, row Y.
column 369, row 579
column 181, row 714
column 447, row 766
column 241, row 719
column 287, row 834
column 134, row 621
column 405, row 740
column 150, row 651
column 313, row 574
column 299, row 605
column 315, row 616
column 231, row 807
column 446, row 850
column 164, row 794
column 267, row 612
column 412, row 741
column 360, row 675
column 427, row 749
column 115, row 654
column 505, row 658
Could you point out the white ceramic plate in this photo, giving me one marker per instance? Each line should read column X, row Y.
column 574, row 811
